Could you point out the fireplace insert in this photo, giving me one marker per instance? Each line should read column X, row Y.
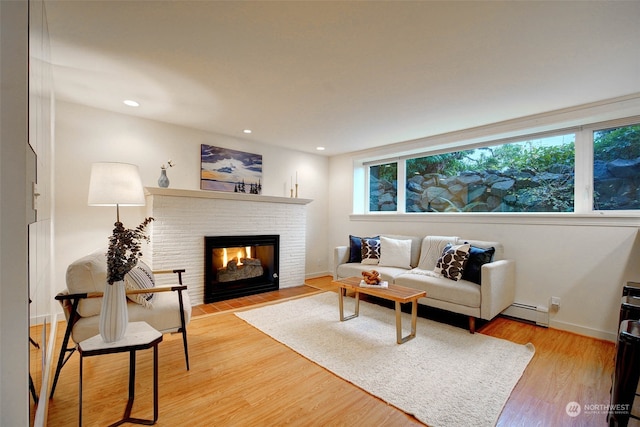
column 237, row 266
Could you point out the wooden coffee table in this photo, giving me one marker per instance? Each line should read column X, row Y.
column 395, row 293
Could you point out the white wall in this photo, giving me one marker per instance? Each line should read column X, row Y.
column 585, row 265
column 85, row 135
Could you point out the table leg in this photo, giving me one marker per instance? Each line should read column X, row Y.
column 414, row 317
column 132, row 385
column 126, row 418
column 80, row 395
column 341, row 294
column 155, row 383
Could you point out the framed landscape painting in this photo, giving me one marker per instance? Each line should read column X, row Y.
column 223, row 169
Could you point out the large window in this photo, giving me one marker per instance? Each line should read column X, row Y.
column 529, row 176
column 383, row 187
column 616, row 168
column 594, row 168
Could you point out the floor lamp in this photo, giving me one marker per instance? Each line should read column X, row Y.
column 115, row 184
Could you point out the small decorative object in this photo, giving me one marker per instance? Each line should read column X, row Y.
column 371, row 277
column 163, row 181
column 114, row 316
column 122, row 256
column 235, row 171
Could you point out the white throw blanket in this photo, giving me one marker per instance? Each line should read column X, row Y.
column 432, row 247
column 421, row 272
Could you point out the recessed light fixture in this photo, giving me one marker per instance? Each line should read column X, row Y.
column 247, row 131
column 131, row 103
column 320, row 148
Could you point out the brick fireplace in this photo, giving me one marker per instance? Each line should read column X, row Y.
column 184, row 217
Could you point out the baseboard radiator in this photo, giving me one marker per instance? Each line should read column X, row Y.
column 529, row 313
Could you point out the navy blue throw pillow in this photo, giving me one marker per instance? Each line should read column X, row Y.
column 355, row 247
column 477, row 258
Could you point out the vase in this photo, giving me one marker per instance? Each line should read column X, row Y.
column 163, row 181
column 114, row 316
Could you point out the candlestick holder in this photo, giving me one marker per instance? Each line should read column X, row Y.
column 291, row 191
column 296, row 191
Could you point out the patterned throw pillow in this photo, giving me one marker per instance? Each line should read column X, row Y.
column 370, row 251
column 140, row 277
column 355, row 247
column 451, row 262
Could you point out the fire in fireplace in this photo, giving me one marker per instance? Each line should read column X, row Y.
column 237, row 266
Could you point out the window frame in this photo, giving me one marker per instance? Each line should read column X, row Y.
column 583, row 213
column 590, row 130
column 367, row 172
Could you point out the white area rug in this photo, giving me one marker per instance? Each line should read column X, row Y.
column 444, row 377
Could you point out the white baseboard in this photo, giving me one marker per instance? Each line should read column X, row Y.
column 581, row 330
column 317, row 274
column 530, row 313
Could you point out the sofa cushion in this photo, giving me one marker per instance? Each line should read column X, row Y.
column 140, row 277
column 165, row 316
column 355, row 247
column 370, row 251
column 85, row 275
column 432, row 247
column 452, row 261
column 395, row 252
column 461, row 292
column 477, row 258
column 352, row 269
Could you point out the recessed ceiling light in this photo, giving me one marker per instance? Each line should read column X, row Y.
column 320, row 148
column 247, row 131
column 131, row 103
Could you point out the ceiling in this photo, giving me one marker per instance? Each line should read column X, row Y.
column 343, row 75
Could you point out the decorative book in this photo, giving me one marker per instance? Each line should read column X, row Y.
column 381, row 284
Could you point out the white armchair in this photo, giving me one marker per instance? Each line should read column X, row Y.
column 169, row 311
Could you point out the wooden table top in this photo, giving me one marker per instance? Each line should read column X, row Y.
column 393, row 292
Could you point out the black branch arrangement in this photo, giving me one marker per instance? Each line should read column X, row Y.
column 124, row 249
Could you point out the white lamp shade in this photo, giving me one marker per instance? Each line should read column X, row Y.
column 114, row 184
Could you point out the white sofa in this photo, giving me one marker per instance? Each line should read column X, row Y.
column 484, row 300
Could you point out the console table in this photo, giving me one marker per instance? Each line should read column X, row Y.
column 139, row 336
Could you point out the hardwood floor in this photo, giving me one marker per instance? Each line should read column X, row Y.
column 241, row 377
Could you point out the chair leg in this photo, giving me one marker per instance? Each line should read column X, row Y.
column 64, row 348
column 472, row 324
column 183, row 330
column 32, row 388
column 186, row 348
column 62, row 360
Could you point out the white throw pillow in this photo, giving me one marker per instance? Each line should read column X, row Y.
column 395, row 253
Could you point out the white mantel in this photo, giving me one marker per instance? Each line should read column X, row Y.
column 184, row 217
column 224, row 195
